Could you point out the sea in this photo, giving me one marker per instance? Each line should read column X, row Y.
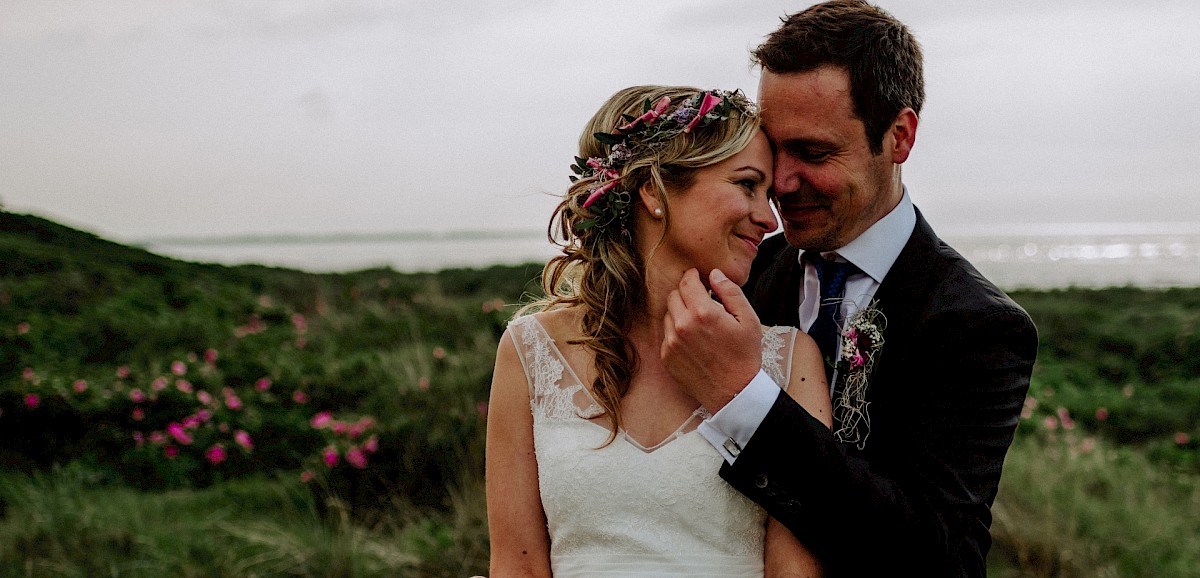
column 1028, row 256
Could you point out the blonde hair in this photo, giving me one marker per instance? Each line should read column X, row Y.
column 601, row 271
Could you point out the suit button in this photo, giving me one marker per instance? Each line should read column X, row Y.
column 761, row 481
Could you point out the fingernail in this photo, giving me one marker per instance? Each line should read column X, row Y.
column 717, row 276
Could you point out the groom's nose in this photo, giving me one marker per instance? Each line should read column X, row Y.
column 787, row 177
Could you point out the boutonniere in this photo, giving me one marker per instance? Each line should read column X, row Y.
column 862, row 339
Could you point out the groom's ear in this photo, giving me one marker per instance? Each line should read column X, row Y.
column 904, row 134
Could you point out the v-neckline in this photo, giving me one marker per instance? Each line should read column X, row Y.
column 621, row 432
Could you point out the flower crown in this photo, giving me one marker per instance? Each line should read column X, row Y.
column 639, row 135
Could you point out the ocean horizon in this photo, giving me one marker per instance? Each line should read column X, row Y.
column 1019, row 256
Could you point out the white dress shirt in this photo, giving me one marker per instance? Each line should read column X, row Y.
column 873, row 252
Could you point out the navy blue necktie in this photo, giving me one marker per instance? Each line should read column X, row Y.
column 825, row 330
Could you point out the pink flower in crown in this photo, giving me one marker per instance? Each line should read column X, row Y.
column 299, row 397
column 243, row 439
column 210, row 356
column 183, row 385
column 647, row 117
column 23, row 328
column 32, row 400
column 263, row 384
column 139, row 438
column 158, row 438
column 79, row 386
column 299, row 323
column 215, row 454
column 138, row 414
column 1102, row 414
column 599, row 192
column 159, row 384
column 356, row 457
column 204, row 415
column 330, row 456
column 709, row 102
column 28, row 374
column 204, row 397
column 179, row 433
column 178, row 367
column 122, row 372
column 1182, row 439
column 306, row 476
column 136, row 395
column 191, row 422
column 338, row 427
column 372, row 444
column 171, row 451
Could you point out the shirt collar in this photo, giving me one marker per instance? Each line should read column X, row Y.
column 876, row 249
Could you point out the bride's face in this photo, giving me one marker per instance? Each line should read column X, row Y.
column 719, row 221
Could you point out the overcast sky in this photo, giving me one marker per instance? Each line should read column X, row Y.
column 144, row 118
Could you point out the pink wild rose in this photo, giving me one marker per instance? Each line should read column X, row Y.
column 263, row 384
column 178, row 367
column 79, row 386
column 243, row 439
column 180, row 434
column 321, row 420
column 215, row 454
column 330, row 456
column 32, row 400
column 356, row 457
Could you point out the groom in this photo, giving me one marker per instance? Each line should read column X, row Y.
column 925, row 414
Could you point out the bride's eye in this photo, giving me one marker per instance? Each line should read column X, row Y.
column 750, row 185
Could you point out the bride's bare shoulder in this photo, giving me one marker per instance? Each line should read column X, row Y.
column 562, row 324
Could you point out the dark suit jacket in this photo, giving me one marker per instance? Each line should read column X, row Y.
column 944, row 400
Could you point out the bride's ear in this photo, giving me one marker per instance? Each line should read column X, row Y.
column 652, row 199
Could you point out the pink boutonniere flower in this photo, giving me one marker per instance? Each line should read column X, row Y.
column 862, row 339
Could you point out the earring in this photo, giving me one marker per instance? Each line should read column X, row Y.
column 658, row 211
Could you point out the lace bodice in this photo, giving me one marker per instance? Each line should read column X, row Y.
column 626, row 509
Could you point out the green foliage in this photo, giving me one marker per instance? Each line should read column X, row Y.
column 1102, row 480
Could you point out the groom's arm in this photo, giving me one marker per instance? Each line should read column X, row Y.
column 923, row 500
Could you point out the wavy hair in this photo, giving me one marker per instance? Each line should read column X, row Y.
column 602, row 271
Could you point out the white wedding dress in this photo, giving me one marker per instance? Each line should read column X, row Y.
column 626, row 509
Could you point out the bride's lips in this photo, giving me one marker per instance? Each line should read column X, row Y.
column 752, row 241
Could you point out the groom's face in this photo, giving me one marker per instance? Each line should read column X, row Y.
column 829, row 186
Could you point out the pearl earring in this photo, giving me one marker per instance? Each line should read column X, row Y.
column 658, row 211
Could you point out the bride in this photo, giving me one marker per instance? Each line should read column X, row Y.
column 595, row 466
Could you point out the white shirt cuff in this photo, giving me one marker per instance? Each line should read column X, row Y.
column 730, row 429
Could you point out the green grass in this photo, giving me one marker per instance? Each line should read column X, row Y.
column 1102, row 480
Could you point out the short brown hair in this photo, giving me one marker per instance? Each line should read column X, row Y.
column 882, row 57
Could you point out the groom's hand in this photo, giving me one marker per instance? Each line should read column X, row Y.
column 712, row 349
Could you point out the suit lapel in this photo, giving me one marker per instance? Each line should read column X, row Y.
column 900, row 294
column 775, row 280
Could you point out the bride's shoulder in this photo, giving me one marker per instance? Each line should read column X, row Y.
column 560, row 324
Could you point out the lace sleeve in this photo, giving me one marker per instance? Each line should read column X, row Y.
column 554, row 390
column 778, row 343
